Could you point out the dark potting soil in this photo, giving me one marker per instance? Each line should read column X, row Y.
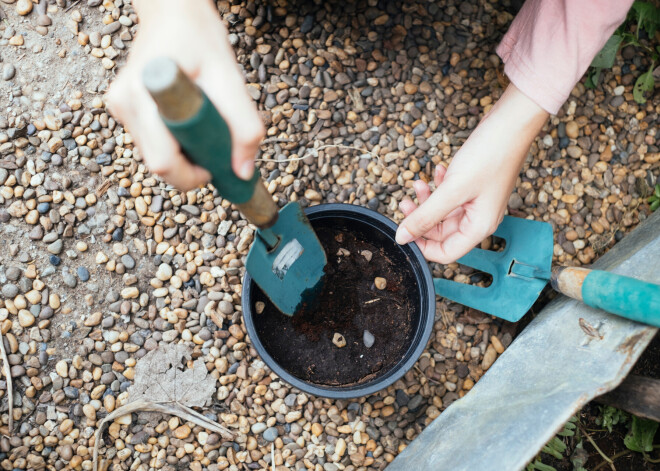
column 349, row 304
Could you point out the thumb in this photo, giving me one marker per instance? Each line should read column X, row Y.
column 433, row 211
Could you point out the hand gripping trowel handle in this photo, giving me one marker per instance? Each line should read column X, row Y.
column 205, row 139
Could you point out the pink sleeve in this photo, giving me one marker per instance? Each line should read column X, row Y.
column 551, row 43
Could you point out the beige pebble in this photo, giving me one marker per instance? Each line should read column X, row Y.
column 16, row 40
column 489, row 357
column 182, row 432
column 499, row 348
column 380, row 282
column 130, row 293
column 339, row 340
column 101, row 258
column 62, row 368
column 94, row 319
column 164, row 272
column 23, row 7
column 54, row 301
column 572, row 129
column 259, row 307
column 367, row 254
column 25, row 318
column 317, row 429
column 33, row 296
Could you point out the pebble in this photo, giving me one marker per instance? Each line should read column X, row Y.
column 9, row 291
column 368, row 339
column 83, row 274
column 23, row 7
column 69, row 280
column 380, row 282
column 56, row 247
column 128, row 261
column 8, row 72
column 270, row 434
column 339, row 340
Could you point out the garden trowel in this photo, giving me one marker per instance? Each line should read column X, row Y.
column 523, row 268
column 286, row 259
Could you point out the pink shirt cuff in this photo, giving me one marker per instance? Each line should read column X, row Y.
column 551, row 43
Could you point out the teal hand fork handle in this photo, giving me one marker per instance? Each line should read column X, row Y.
column 204, row 137
column 522, row 269
column 617, row 294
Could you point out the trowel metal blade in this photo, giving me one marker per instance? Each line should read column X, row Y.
column 290, row 274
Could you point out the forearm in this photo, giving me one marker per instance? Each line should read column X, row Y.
column 509, row 129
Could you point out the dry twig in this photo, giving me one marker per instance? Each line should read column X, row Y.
column 173, row 408
column 10, row 392
column 607, row 459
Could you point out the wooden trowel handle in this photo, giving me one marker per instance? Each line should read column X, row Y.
column 627, row 297
column 205, row 139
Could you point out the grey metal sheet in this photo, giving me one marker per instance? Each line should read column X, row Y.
column 550, row 371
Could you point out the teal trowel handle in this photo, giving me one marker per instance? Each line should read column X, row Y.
column 627, row 297
column 204, row 137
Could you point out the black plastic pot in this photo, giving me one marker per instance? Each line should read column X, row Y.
column 380, row 231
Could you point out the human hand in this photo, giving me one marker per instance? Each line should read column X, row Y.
column 192, row 34
column 473, row 192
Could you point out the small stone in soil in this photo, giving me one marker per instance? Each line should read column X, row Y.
column 339, row 340
column 367, row 254
column 259, row 307
column 368, row 339
column 343, row 252
column 380, row 282
column 55, row 260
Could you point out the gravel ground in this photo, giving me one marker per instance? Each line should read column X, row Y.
column 100, row 262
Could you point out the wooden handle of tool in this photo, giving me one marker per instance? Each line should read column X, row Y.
column 205, row 139
column 621, row 295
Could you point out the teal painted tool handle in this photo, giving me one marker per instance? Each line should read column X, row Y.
column 198, row 127
column 621, row 295
column 205, row 139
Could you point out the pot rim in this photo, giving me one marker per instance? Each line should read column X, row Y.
column 420, row 338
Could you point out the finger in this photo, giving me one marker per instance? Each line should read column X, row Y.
column 441, row 202
column 407, row 206
column 160, row 149
column 422, row 190
column 226, row 90
column 439, row 175
column 449, row 250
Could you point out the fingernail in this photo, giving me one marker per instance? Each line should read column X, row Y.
column 246, row 170
column 403, row 236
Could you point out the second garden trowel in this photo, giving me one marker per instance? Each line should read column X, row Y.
column 286, row 259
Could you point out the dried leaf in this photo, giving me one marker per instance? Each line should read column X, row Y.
column 161, row 376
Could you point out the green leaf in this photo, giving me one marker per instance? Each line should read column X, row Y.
column 552, row 452
column 655, row 205
column 648, row 17
column 640, row 437
column 605, row 58
column 657, row 190
column 540, row 466
column 643, row 85
column 611, row 416
column 592, row 77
